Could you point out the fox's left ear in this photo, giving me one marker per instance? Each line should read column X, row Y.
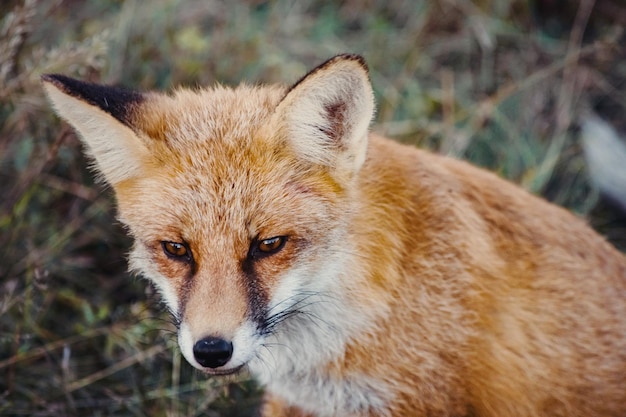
column 104, row 118
column 326, row 115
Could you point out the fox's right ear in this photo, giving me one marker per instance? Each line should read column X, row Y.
column 103, row 116
column 326, row 115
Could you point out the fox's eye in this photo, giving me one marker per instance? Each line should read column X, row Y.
column 176, row 250
column 271, row 245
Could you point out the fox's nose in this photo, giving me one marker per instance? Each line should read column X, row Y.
column 212, row 352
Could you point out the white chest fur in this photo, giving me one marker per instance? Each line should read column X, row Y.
column 292, row 364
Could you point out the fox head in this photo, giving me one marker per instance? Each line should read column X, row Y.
column 238, row 199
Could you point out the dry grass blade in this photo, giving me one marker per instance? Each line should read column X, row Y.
column 567, row 98
column 33, row 354
column 16, row 27
column 117, row 367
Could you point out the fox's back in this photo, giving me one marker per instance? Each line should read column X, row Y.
column 527, row 293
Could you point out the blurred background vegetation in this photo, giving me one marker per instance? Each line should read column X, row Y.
column 503, row 83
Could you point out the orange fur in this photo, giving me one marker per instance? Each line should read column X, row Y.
column 428, row 287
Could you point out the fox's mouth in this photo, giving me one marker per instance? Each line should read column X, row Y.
column 223, row 372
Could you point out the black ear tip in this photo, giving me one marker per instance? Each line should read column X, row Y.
column 67, row 84
column 117, row 101
column 335, row 59
column 56, row 79
column 352, row 57
column 347, row 57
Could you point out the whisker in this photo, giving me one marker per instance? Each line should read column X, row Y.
column 300, row 308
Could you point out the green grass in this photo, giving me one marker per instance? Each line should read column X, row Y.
column 500, row 83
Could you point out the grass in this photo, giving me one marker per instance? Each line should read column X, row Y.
column 501, row 83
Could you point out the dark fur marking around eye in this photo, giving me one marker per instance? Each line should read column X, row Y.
column 257, row 295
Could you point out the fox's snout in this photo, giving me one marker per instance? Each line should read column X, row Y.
column 220, row 352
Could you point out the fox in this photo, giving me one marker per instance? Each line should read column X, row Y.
column 350, row 274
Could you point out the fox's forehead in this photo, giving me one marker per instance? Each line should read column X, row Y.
column 209, row 141
column 217, row 114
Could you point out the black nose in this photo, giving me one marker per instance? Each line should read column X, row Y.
column 212, row 352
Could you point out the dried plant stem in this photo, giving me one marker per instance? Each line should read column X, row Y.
column 117, row 367
column 17, row 26
column 566, row 99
